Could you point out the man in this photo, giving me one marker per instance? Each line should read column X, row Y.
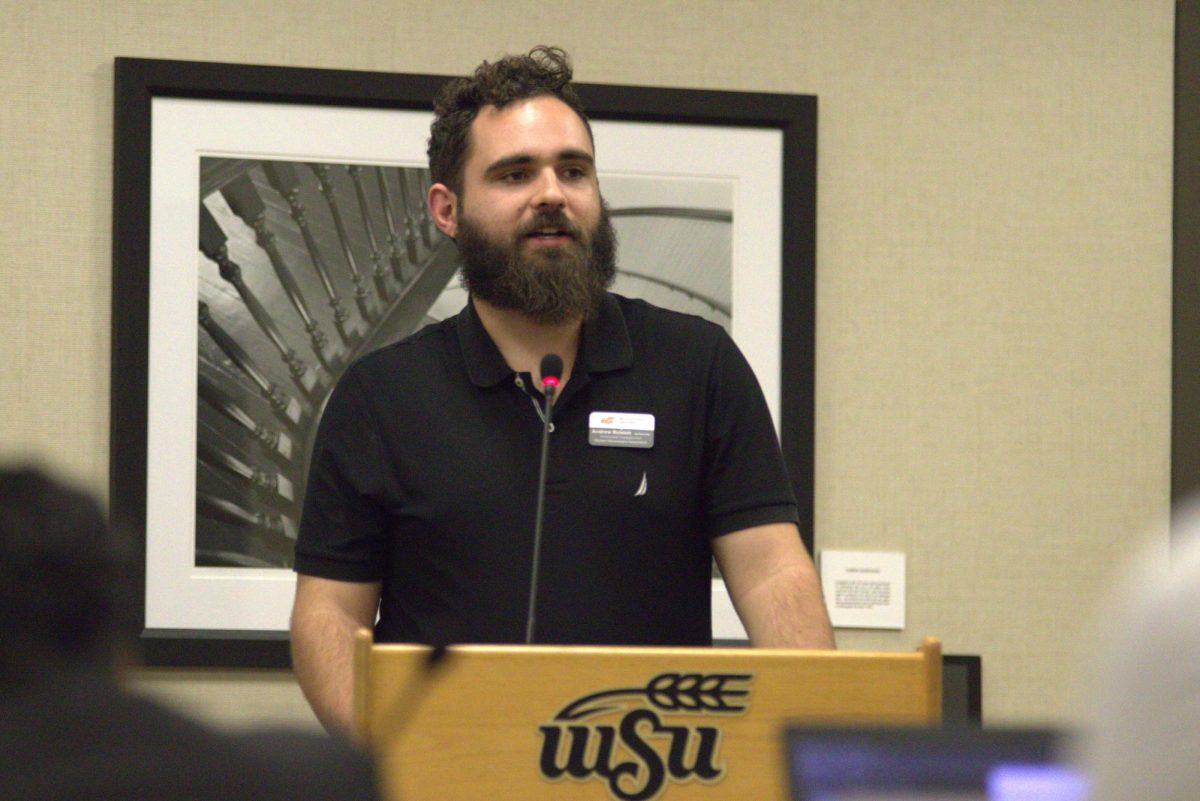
column 67, row 728
column 423, row 485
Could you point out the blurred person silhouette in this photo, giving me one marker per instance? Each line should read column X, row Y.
column 68, row 728
column 1143, row 734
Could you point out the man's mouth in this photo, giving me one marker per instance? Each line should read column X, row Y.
column 549, row 233
column 550, row 229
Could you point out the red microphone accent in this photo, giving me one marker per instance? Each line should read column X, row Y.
column 551, row 369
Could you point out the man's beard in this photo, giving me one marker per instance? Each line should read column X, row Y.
column 549, row 285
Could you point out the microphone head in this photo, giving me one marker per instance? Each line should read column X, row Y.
column 551, row 369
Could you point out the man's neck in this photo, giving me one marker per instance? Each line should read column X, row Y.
column 523, row 342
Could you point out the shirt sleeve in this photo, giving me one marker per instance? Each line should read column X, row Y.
column 343, row 526
column 746, row 481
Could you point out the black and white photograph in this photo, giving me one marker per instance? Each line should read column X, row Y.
column 283, row 240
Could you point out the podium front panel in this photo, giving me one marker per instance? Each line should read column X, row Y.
column 513, row 722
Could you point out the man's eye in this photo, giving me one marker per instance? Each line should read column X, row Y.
column 513, row 177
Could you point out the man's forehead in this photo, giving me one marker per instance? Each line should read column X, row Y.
column 542, row 124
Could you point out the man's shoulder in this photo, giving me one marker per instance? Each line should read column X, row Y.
column 426, row 344
column 657, row 329
column 643, row 318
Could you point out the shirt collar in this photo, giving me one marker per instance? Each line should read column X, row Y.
column 603, row 345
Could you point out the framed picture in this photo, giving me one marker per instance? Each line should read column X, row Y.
column 269, row 227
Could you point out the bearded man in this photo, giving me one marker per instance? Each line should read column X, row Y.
column 421, row 500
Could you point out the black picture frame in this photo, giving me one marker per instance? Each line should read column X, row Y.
column 138, row 82
column 1185, row 260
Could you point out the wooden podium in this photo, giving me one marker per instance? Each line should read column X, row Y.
column 523, row 723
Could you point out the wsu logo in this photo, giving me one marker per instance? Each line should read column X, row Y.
column 620, row 737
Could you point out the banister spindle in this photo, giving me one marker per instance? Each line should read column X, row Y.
column 259, row 480
column 214, row 244
column 244, row 201
column 410, row 219
column 389, row 215
column 361, row 293
column 416, row 212
column 282, row 177
column 380, row 271
column 229, row 512
column 276, row 443
column 287, row 407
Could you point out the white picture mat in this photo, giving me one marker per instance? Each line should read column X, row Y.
column 180, row 595
column 725, row 622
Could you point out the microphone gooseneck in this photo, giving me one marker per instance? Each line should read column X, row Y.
column 551, row 369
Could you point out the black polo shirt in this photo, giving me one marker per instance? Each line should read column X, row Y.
column 424, row 477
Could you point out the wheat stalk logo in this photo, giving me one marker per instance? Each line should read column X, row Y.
column 671, row 692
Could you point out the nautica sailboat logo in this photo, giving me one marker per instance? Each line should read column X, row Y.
column 641, row 490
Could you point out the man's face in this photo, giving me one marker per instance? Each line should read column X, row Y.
column 530, row 224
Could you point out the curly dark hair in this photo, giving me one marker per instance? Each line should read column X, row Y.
column 543, row 71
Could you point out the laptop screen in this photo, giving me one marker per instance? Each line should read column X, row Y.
column 902, row 764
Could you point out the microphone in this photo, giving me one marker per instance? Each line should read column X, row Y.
column 414, row 692
column 551, row 369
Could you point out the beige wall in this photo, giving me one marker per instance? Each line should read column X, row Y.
column 993, row 268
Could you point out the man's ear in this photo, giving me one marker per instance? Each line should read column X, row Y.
column 443, row 206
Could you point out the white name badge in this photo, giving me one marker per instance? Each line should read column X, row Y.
column 621, row 430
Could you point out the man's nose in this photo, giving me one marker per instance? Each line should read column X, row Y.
column 548, row 191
